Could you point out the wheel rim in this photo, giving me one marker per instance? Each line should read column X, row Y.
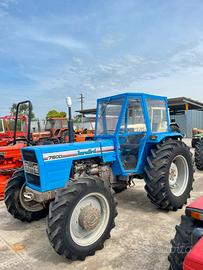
column 27, row 203
column 89, row 219
column 178, row 175
column 66, row 138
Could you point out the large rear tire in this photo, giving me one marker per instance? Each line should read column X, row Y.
column 193, row 142
column 81, row 218
column 16, row 203
column 199, row 155
column 169, row 175
column 181, row 244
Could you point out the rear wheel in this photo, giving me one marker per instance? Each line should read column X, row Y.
column 81, row 218
column 193, row 142
column 199, row 155
column 65, row 137
column 169, row 175
column 16, row 202
column 181, row 244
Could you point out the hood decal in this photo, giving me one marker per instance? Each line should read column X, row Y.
column 77, row 153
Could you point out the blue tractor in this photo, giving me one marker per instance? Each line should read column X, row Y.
column 73, row 183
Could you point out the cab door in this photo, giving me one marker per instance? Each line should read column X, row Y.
column 132, row 133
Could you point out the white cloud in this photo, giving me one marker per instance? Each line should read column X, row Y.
column 64, row 41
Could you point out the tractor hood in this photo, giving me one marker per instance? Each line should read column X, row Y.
column 48, row 167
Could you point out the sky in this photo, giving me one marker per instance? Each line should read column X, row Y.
column 51, row 49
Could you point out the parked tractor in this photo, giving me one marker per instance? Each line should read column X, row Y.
column 10, row 154
column 74, row 182
column 187, row 246
column 197, row 135
column 7, row 129
column 56, row 131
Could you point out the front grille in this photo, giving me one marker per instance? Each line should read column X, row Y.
column 31, row 167
column 29, row 155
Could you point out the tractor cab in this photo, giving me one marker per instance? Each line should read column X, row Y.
column 132, row 120
column 54, row 125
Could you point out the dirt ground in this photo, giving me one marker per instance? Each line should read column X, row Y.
column 140, row 240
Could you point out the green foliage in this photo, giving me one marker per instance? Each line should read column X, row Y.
column 23, row 109
column 77, row 119
column 62, row 114
column 55, row 114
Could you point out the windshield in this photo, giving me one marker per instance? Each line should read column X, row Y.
column 158, row 115
column 53, row 123
column 108, row 115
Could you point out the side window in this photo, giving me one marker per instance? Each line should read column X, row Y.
column 133, row 120
column 157, row 115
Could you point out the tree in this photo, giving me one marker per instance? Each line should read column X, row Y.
column 77, row 119
column 23, row 109
column 55, row 114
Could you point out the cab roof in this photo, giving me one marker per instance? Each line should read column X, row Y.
column 144, row 95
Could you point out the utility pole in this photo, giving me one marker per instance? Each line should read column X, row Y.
column 81, row 98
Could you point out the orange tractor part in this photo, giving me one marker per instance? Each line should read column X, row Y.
column 10, row 161
column 82, row 137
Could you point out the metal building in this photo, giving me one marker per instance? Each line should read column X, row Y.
column 187, row 113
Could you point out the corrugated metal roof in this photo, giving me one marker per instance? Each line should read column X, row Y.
column 179, row 103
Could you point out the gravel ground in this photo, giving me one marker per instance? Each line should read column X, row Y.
column 140, row 240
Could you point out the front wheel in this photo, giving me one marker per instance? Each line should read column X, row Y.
column 169, row 175
column 16, row 202
column 81, row 218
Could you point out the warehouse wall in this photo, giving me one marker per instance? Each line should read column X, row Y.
column 181, row 121
column 194, row 120
column 188, row 121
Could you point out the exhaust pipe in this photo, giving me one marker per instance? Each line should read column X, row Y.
column 70, row 120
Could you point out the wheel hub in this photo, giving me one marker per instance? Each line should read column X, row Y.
column 173, row 174
column 89, row 217
column 27, row 202
column 178, row 175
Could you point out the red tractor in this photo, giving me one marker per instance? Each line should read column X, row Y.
column 7, row 129
column 56, row 130
column 10, row 155
column 187, row 246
